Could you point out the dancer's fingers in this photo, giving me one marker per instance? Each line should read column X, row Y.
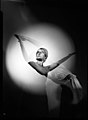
column 72, row 53
column 17, row 36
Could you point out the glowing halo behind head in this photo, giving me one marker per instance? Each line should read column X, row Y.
column 50, row 37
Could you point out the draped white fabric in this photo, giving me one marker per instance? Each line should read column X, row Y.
column 51, row 91
column 53, row 87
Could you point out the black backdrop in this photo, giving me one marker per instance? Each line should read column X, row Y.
column 72, row 18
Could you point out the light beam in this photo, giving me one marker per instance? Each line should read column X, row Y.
column 55, row 40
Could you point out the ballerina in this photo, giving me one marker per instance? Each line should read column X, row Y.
column 56, row 76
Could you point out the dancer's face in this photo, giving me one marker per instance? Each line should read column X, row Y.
column 40, row 55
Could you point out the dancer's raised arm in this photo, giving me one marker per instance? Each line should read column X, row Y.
column 24, row 52
column 56, row 64
column 20, row 40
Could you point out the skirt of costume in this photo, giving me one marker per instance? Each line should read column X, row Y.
column 56, row 78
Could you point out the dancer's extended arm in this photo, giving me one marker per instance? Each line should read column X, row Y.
column 22, row 38
column 24, row 52
column 56, row 64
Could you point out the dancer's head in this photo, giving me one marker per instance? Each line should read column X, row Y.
column 41, row 54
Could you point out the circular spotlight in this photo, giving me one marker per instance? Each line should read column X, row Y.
column 55, row 40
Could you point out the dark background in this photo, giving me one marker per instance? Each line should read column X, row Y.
column 72, row 18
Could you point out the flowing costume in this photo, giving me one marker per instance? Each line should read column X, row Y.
column 61, row 76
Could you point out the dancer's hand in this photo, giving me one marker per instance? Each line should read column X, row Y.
column 72, row 53
column 17, row 36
